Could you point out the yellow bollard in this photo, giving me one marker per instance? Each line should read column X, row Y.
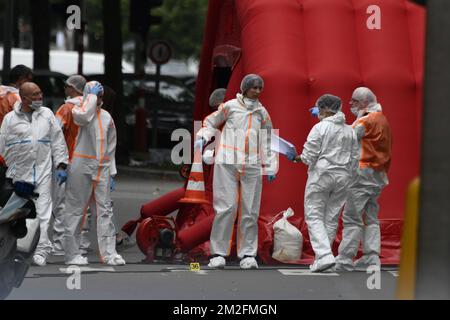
column 408, row 257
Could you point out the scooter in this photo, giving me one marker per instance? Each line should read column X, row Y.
column 19, row 235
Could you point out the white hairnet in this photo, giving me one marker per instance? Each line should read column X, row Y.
column 217, row 97
column 364, row 94
column 77, row 82
column 251, row 80
column 329, row 102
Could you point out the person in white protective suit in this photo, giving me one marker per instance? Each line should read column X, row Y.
column 74, row 92
column 331, row 153
column 90, row 177
column 374, row 133
column 243, row 157
column 31, row 141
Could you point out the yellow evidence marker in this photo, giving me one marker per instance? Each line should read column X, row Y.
column 194, row 266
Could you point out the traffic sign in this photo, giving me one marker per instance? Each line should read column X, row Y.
column 160, row 52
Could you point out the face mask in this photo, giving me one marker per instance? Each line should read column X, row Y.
column 36, row 104
column 355, row 111
column 100, row 105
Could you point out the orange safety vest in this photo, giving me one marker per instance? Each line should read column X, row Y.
column 7, row 103
column 70, row 129
column 376, row 144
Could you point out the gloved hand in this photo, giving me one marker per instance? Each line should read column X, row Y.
column 291, row 156
column 199, row 143
column 95, row 89
column 112, row 184
column 61, row 176
column 271, row 177
column 314, row 111
column 25, row 190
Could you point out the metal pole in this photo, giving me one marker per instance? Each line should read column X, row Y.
column 80, row 44
column 433, row 265
column 155, row 108
column 7, row 39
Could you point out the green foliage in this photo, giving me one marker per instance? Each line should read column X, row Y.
column 182, row 26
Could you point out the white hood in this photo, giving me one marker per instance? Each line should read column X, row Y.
column 6, row 89
column 240, row 98
column 76, row 101
column 375, row 108
column 338, row 118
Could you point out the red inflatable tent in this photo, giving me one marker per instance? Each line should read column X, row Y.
column 303, row 49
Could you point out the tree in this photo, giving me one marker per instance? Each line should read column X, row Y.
column 182, row 26
column 112, row 48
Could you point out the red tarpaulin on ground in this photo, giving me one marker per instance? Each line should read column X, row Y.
column 303, row 49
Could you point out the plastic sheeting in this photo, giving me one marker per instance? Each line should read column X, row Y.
column 305, row 48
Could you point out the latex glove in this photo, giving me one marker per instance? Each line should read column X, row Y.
column 291, row 156
column 61, row 176
column 112, row 184
column 95, row 89
column 271, row 177
column 314, row 111
column 25, row 190
column 199, row 143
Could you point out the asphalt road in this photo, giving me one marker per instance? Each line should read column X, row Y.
column 137, row 280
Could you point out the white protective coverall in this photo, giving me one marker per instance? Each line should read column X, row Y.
column 30, row 150
column 331, row 152
column 239, row 166
column 374, row 134
column 70, row 131
column 88, row 182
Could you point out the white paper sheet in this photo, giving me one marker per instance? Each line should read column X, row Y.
column 282, row 146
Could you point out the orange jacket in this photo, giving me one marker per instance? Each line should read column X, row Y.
column 69, row 128
column 7, row 102
column 376, row 144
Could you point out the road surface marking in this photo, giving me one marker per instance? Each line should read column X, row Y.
column 305, row 272
column 199, row 272
column 88, row 269
column 394, row 273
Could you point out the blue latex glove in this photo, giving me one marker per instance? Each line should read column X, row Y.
column 199, row 143
column 314, row 111
column 24, row 189
column 112, row 184
column 61, row 176
column 271, row 177
column 291, row 156
column 95, row 89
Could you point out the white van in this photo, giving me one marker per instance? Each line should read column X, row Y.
column 65, row 62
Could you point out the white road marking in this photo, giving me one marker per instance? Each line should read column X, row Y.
column 394, row 273
column 88, row 269
column 305, row 272
column 200, row 272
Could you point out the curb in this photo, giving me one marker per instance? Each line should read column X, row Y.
column 149, row 173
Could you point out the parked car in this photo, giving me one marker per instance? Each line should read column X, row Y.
column 52, row 86
column 174, row 105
